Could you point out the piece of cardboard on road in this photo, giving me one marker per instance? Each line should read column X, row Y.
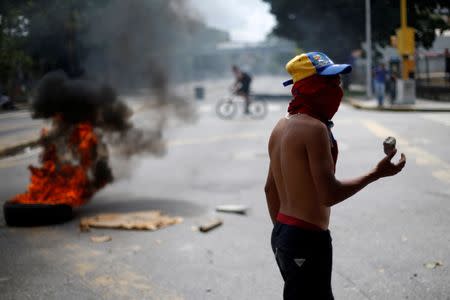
column 142, row 220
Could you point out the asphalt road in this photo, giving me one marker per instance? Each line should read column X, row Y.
column 383, row 237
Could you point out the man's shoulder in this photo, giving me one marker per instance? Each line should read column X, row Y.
column 305, row 124
column 302, row 129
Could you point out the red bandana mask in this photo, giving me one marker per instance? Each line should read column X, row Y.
column 318, row 97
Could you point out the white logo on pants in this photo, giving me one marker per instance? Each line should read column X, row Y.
column 299, row 261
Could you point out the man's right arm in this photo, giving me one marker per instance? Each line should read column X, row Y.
column 272, row 197
column 330, row 190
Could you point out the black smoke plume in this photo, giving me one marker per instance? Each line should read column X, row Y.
column 80, row 101
column 68, row 103
column 135, row 49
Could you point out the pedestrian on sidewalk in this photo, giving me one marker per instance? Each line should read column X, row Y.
column 447, row 65
column 5, row 101
column 380, row 76
column 391, row 86
column 301, row 185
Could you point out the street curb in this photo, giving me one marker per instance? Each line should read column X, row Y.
column 271, row 97
column 359, row 104
column 16, row 149
column 19, row 108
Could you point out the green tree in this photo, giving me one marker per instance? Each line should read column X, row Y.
column 123, row 41
column 13, row 32
column 56, row 30
column 338, row 26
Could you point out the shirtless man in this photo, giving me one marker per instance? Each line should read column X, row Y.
column 301, row 186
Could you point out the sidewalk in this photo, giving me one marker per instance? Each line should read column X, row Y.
column 421, row 105
column 18, row 131
column 21, row 106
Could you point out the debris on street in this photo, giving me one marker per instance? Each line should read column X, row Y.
column 232, row 208
column 433, row 265
column 100, row 238
column 144, row 220
column 210, row 226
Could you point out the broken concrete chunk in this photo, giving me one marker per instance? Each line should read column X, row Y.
column 100, row 238
column 433, row 265
column 210, row 226
column 232, row 208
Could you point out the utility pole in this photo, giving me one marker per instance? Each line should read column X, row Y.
column 406, row 49
column 406, row 43
column 403, row 25
column 368, row 52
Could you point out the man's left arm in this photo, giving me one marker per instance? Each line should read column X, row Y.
column 272, row 197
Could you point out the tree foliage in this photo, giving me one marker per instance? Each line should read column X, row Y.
column 338, row 26
column 126, row 43
column 12, row 40
column 55, row 30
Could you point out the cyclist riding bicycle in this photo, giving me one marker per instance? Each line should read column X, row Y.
column 241, row 86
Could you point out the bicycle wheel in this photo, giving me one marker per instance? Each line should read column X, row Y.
column 226, row 108
column 258, row 109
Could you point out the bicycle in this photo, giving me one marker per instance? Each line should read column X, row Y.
column 227, row 107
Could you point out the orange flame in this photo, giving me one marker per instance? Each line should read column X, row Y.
column 57, row 182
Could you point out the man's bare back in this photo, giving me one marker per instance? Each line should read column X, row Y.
column 289, row 163
column 301, row 181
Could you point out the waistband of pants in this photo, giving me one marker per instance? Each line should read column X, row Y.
column 293, row 221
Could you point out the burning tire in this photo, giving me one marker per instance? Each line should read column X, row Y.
column 18, row 214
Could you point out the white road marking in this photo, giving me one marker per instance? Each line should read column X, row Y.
column 274, row 107
column 248, row 155
column 343, row 146
column 205, row 108
column 441, row 168
column 217, row 138
column 441, row 118
column 345, row 107
column 345, row 121
column 22, row 158
column 18, row 138
column 19, row 160
column 14, row 115
column 15, row 126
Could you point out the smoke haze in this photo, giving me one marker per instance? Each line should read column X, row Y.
column 135, row 48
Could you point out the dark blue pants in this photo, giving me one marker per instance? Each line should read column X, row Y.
column 304, row 258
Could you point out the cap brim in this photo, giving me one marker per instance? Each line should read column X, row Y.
column 288, row 82
column 335, row 70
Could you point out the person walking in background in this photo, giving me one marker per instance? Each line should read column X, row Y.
column 301, row 186
column 380, row 75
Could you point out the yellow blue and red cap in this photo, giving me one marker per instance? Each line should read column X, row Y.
column 308, row 64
